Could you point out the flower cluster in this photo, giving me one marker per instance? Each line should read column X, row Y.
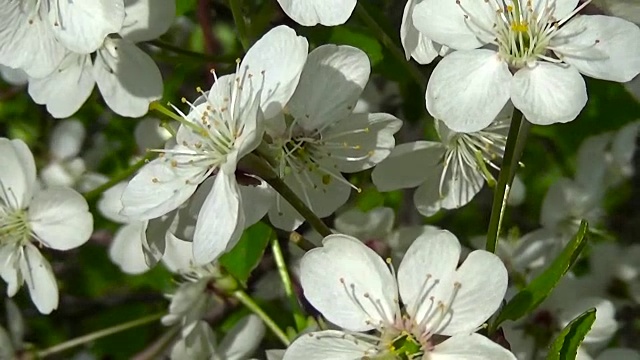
column 281, row 187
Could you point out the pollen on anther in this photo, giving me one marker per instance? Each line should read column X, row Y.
column 154, row 180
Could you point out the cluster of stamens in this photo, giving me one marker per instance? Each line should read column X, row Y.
column 521, row 32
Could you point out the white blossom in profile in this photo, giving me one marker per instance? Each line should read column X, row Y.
column 430, row 311
column 12, row 338
column 532, row 52
column 449, row 172
column 128, row 78
column 35, row 35
column 30, row 217
column 313, row 12
column 318, row 136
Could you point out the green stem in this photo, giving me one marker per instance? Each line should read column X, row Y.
column 387, row 42
column 225, row 59
column 513, row 151
column 98, row 334
column 260, row 167
column 241, row 25
column 247, row 301
column 300, row 241
column 119, row 177
column 298, row 315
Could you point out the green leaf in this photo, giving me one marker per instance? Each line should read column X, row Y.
column 245, row 256
column 184, row 6
column 565, row 346
column 539, row 288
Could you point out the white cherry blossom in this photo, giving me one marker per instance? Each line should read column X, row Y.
column 448, row 173
column 128, row 78
column 354, row 289
column 318, row 136
column 50, row 28
column 224, row 125
column 532, row 52
column 55, row 217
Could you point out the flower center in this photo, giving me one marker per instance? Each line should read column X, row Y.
column 521, row 31
column 406, row 347
column 14, row 226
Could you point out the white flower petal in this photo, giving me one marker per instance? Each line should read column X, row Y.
column 82, row 26
column 110, row 203
column 328, row 344
column 468, row 89
column 39, row 277
column 60, row 218
column 18, row 178
column 349, row 283
column 548, row 93
column 126, row 248
column 407, row 166
column 27, row 32
column 415, row 44
column 66, row 89
column 279, row 56
column 221, row 220
column 602, row 47
column 146, row 20
column 444, row 22
column 155, row 191
column 256, row 201
column 16, row 77
column 361, row 141
column 484, row 279
column 312, row 12
column 470, row 347
column 323, row 193
column 178, row 254
column 243, row 338
column 456, row 190
column 10, row 267
column 331, row 83
column 128, row 79
column 427, row 270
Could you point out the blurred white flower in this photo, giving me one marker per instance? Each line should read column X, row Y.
column 324, row 12
column 242, row 340
column 318, row 136
column 530, row 52
column 11, row 339
column 128, row 79
column 354, row 289
column 448, row 173
column 55, row 217
column 35, row 35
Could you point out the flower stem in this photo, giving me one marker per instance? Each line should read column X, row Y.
column 260, row 167
column 89, row 195
column 387, row 42
column 225, row 59
column 516, row 139
column 247, row 301
column 241, row 25
column 98, row 334
column 300, row 241
column 298, row 315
